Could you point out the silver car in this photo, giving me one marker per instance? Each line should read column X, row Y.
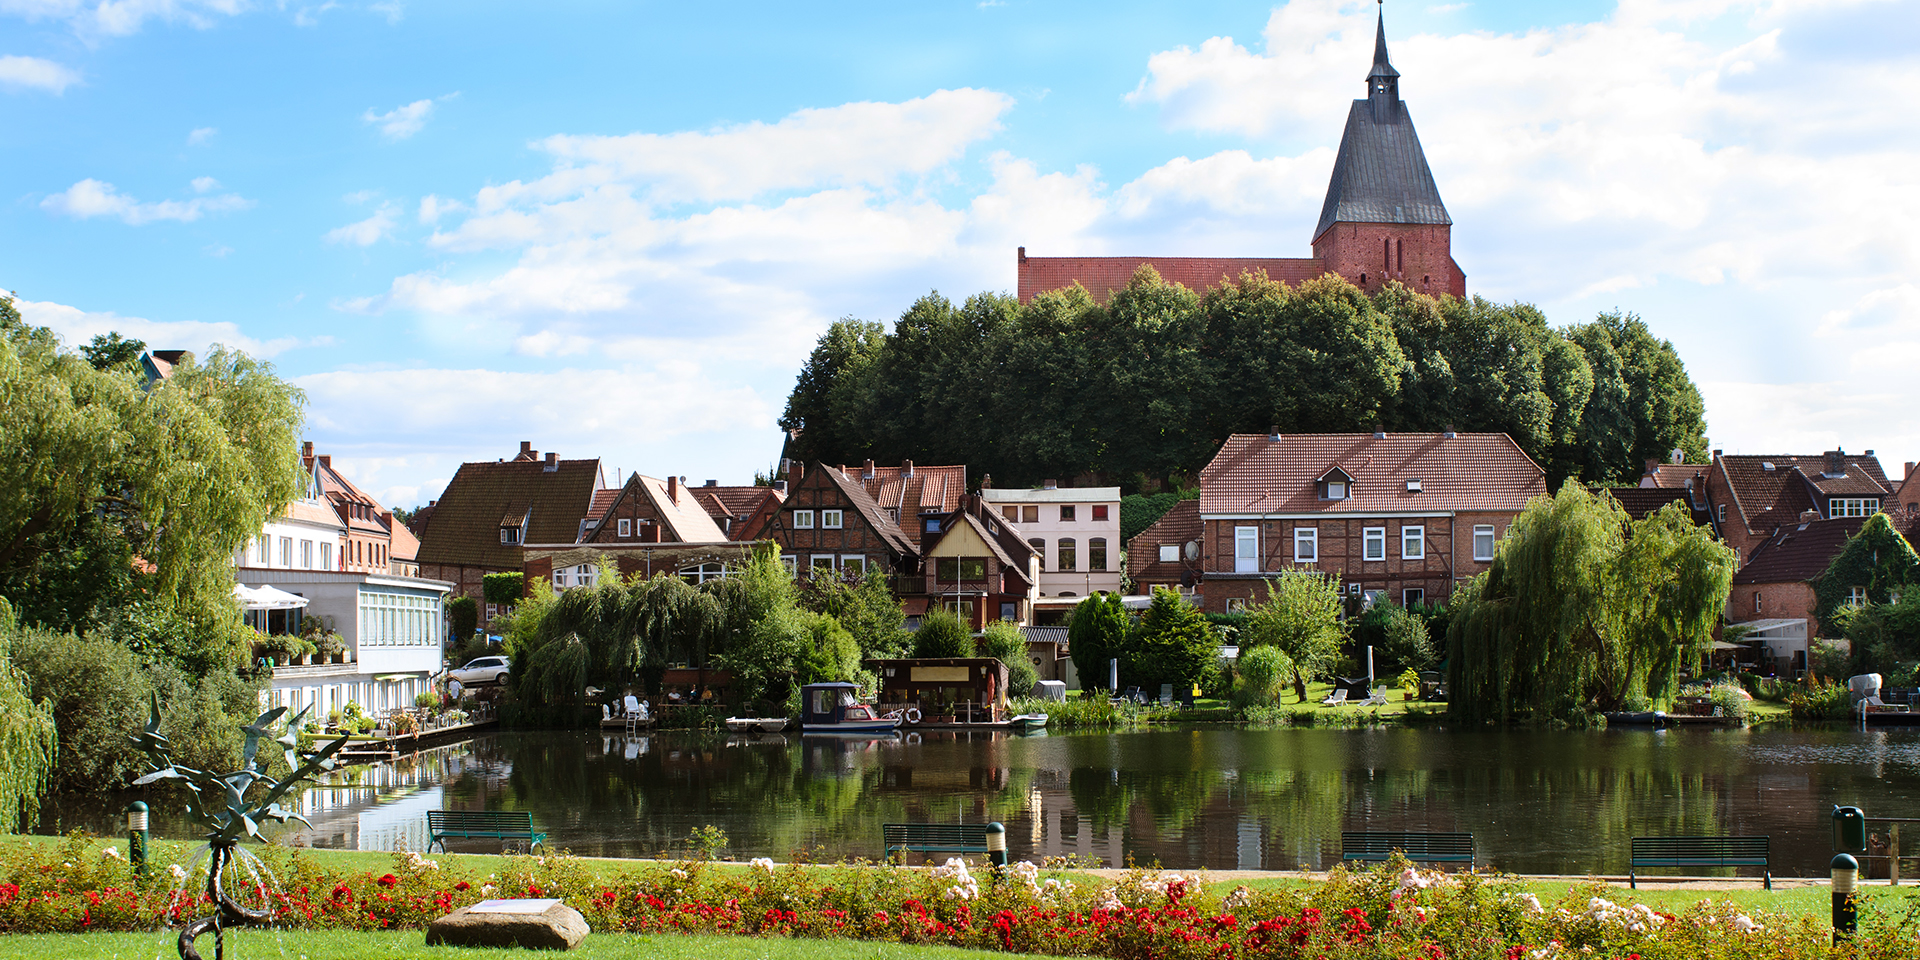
column 481, row 670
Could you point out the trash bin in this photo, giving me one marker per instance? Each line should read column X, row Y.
column 1849, row 829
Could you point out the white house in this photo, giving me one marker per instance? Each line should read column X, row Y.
column 1075, row 530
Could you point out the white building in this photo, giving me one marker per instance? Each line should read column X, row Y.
column 1076, row 531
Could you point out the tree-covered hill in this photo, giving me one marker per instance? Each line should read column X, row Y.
column 1147, row 386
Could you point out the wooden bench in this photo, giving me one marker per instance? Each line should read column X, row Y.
column 1699, row 852
column 1419, row 847
column 467, row 824
column 933, row 838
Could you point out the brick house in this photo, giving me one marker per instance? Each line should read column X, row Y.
column 489, row 511
column 829, row 523
column 1167, row 552
column 1398, row 517
column 1382, row 220
column 647, row 527
column 741, row 512
column 1906, row 496
column 1752, row 497
column 980, row 567
column 1773, row 591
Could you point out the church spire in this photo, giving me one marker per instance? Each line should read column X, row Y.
column 1383, row 81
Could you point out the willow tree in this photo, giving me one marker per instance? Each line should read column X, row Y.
column 609, row 635
column 27, row 736
column 1584, row 608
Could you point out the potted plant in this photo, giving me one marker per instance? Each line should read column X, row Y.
column 332, row 647
column 283, row 646
column 306, row 650
column 404, row 723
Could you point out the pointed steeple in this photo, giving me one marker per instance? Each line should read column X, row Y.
column 1381, row 174
column 1381, row 66
column 1383, row 81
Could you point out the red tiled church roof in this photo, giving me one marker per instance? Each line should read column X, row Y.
column 1104, row 275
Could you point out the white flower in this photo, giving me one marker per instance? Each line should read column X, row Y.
column 1410, row 879
column 111, row 853
column 179, row 872
column 678, row 874
column 1240, row 897
column 486, row 889
column 1745, row 924
column 1531, row 903
column 418, row 862
column 1110, row 902
column 761, row 863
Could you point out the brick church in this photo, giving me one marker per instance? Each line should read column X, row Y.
column 1382, row 220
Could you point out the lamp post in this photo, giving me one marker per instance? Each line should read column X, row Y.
column 1845, row 869
column 997, row 845
column 137, row 837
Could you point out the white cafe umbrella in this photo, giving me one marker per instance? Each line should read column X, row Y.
column 265, row 597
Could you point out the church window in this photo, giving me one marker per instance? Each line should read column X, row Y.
column 1386, row 254
column 1399, row 256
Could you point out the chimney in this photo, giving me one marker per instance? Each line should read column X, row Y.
column 868, row 468
column 1273, row 433
column 306, row 450
column 432, row 502
column 1908, row 473
column 1836, row 463
column 673, row 489
column 906, row 468
column 1023, row 254
column 713, row 483
column 526, row 449
column 1716, row 453
column 326, row 460
column 780, row 485
column 799, row 471
column 1450, row 433
column 1379, row 434
column 553, row 463
column 986, row 481
column 1049, row 484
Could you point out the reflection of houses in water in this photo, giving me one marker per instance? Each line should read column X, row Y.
column 384, row 806
column 1056, row 826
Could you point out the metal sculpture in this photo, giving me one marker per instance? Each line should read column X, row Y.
column 219, row 802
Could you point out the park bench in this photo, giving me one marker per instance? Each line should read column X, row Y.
column 467, row 824
column 933, row 838
column 1699, row 852
column 1420, row 847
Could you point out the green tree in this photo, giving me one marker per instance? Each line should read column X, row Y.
column 829, row 377
column 1094, row 637
column 1877, row 560
column 1644, row 404
column 463, row 618
column 1404, row 642
column 1263, row 673
column 1300, row 616
column 1583, row 609
column 942, row 635
column 109, row 350
column 865, row 607
column 1172, row 643
column 28, row 736
column 1006, row 643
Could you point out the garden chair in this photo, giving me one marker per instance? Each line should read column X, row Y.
column 1337, row 698
column 1166, row 694
column 1375, row 699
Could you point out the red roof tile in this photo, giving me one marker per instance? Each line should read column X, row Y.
column 1770, row 489
column 926, row 490
column 467, row 517
column 1798, row 552
column 1104, row 275
column 1256, row 475
column 1176, row 527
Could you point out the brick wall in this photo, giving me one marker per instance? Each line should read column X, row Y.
column 1420, row 256
column 854, row 537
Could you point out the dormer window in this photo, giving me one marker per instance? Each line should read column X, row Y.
column 1335, row 484
column 509, row 534
column 1336, row 490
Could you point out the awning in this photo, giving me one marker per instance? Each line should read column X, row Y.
column 400, row 676
column 265, row 597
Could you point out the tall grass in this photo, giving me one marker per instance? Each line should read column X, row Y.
column 1084, row 712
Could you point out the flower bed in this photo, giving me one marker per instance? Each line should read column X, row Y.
column 1394, row 911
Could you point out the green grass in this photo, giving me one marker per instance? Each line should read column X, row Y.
column 353, row 945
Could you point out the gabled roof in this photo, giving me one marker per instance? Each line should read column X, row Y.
column 1798, row 552
column 1104, row 276
column 870, row 510
column 753, row 525
column 1672, row 475
column 602, row 502
column 912, row 489
column 1177, row 526
column 466, row 518
column 1381, row 174
column 682, row 521
column 1643, row 502
column 1772, row 488
column 403, row 545
column 969, row 521
column 1254, row 474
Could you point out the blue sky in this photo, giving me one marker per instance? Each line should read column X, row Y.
column 616, row 229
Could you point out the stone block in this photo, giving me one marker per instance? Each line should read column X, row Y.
column 510, row 923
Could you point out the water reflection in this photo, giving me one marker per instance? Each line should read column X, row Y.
column 1536, row 801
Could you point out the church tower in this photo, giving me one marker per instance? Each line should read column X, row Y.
column 1383, row 219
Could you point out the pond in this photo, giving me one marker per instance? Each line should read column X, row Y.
column 1218, row 797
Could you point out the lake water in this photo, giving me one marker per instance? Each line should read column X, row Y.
column 1219, row 797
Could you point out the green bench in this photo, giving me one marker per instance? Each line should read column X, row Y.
column 933, row 838
column 468, row 824
column 1378, row 845
column 1699, row 852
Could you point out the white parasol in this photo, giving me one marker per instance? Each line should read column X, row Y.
column 265, row 597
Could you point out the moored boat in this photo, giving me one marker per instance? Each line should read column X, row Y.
column 836, row 708
column 756, row 724
column 1030, row 721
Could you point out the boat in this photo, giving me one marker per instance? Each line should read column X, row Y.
column 836, row 708
column 1636, row 718
column 756, row 724
column 1029, row 721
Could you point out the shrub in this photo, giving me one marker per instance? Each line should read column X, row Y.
column 1821, row 699
column 942, row 635
column 463, row 618
column 1264, row 671
column 98, row 693
column 1004, row 642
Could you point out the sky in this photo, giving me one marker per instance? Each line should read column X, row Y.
column 616, row 229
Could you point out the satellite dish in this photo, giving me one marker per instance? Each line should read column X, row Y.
column 1193, row 549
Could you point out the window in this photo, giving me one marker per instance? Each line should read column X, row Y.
column 1100, row 512
column 559, row 583
column 707, row 571
column 1756, row 601
column 1483, row 542
column 1030, row 514
column 1413, row 543
column 1066, row 513
column 1011, row 513
column 830, row 519
column 306, row 554
column 286, row 551
column 791, row 562
column 507, row 535
column 960, row 569
column 820, row 563
column 1370, row 597
column 1097, row 554
column 1040, row 550
column 854, row 563
column 1306, row 545
column 1856, row 596
column 626, row 527
column 1720, row 513
column 960, row 608
column 1246, row 549
column 1009, row 610
column 1169, row 553
column 1236, row 605
column 583, row 575
column 1336, row 490
column 326, row 556
column 1373, row 543
column 930, row 523
column 264, row 548
column 803, row 519
column 1069, row 559
column 1413, row 597
column 1852, row 507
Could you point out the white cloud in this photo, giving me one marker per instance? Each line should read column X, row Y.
column 205, row 184
column 393, row 11
column 309, row 16
column 93, row 198
column 34, row 73
column 432, row 208
column 122, row 17
column 403, row 121
column 201, row 135
column 365, row 233
column 76, row 326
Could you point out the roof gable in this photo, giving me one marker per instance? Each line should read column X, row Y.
column 1254, row 474
column 467, row 517
column 1798, row 552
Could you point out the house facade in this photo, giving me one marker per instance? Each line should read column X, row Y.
column 830, row 525
column 1773, row 590
column 1399, row 518
column 1167, row 553
column 980, row 567
column 1753, row 497
column 647, row 527
column 1074, row 530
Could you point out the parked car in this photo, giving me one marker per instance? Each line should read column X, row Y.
column 481, row 670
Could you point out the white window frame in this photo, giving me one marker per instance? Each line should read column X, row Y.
column 791, row 562
column 1413, row 595
column 1105, row 561
column 1852, row 507
column 853, row 561
column 1856, row 596
column 818, row 562
column 1756, row 601
column 1169, row 553
column 1373, row 544
column 286, row 552
column 832, row 519
column 584, row 575
column 1246, row 560
column 803, row 519
column 559, row 583
column 1413, row 542
column 1370, row 597
column 265, row 550
column 326, row 555
column 306, row 554
column 1236, row 605
column 1306, row 544
column 1336, row 490
column 1486, row 529
column 626, row 527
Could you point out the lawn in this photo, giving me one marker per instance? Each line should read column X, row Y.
column 354, row 945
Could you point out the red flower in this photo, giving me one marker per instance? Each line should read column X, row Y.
column 463, row 886
column 388, row 880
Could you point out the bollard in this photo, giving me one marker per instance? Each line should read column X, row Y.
column 137, row 837
column 997, row 845
column 1845, row 869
